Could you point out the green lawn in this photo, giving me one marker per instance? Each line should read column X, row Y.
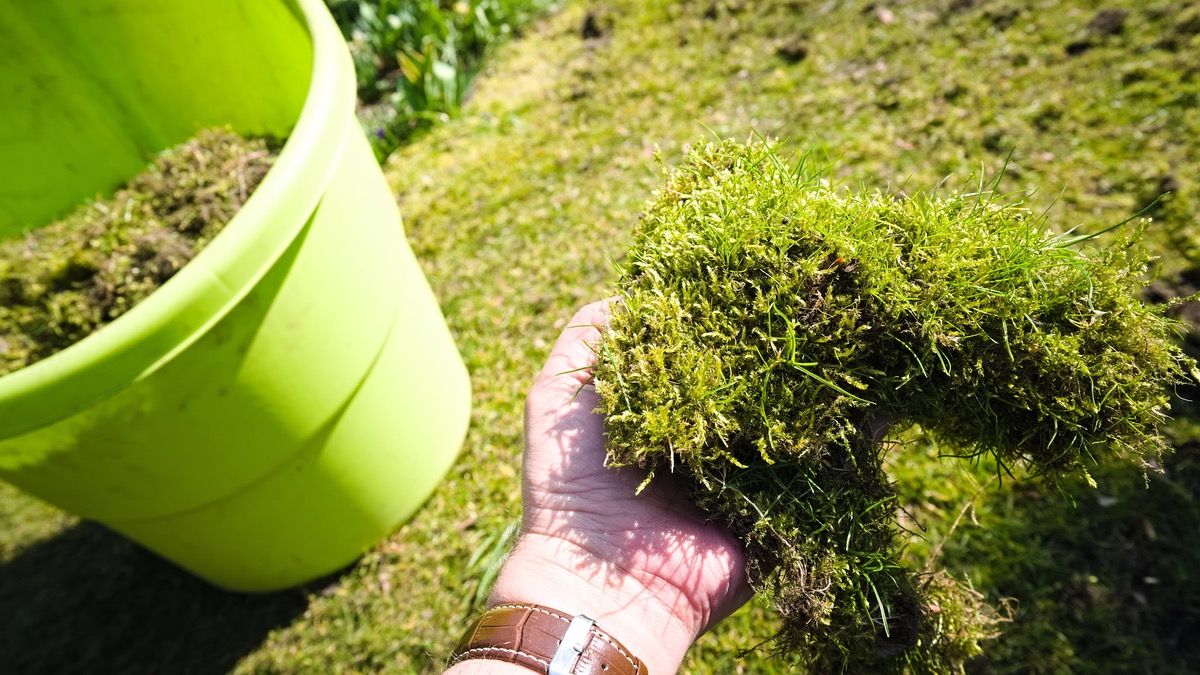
column 517, row 209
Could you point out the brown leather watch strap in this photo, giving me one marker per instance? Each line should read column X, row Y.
column 533, row 636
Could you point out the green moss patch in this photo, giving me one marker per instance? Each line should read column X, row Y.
column 68, row 279
column 772, row 323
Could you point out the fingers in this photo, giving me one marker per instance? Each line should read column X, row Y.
column 560, row 421
column 574, row 352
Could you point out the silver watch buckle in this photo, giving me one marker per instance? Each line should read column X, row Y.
column 571, row 646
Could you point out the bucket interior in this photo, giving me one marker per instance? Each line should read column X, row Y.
column 92, row 91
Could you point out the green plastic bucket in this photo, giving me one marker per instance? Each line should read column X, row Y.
column 293, row 394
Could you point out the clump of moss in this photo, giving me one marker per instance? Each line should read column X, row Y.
column 771, row 324
column 64, row 281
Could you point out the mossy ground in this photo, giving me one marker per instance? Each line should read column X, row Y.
column 769, row 320
column 515, row 210
column 67, row 279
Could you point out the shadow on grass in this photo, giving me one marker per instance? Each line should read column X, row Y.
column 88, row 601
column 1107, row 578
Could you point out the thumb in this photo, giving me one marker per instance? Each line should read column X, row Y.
column 574, row 353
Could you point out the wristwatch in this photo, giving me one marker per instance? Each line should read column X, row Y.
column 546, row 641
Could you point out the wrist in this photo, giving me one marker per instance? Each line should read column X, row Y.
column 645, row 612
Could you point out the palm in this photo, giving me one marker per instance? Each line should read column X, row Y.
column 657, row 536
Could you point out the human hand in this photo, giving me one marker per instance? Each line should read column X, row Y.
column 649, row 568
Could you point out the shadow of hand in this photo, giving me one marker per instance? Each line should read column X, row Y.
column 650, row 563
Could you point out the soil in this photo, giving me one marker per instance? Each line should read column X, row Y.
column 793, row 50
column 597, row 24
column 1108, row 22
column 70, row 278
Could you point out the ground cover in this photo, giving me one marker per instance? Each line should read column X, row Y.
column 68, row 279
column 516, row 208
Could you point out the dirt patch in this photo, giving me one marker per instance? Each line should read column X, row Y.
column 596, row 25
column 793, row 50
column 1108, row 22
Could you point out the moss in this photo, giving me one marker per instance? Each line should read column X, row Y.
column 772, row 323
column 68, row 279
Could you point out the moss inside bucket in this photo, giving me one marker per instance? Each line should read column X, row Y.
column 772, row 324
column 62, row 282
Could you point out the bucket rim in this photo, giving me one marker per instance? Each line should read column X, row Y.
column 196, row 298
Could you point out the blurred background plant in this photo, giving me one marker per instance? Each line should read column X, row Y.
column 415, row 59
